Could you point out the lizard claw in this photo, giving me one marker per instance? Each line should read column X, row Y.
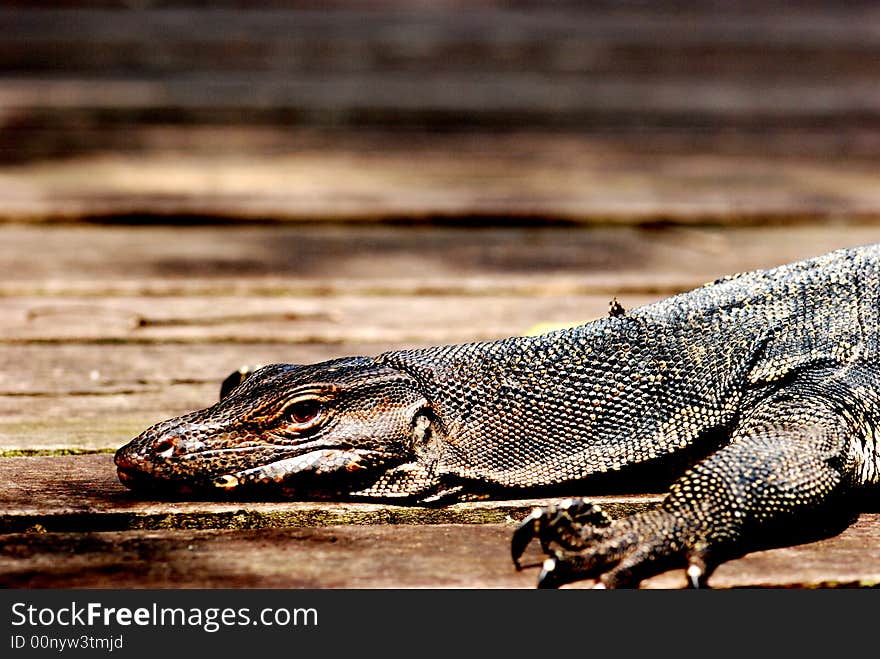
column 697, row 572
column 549, row 576
column 561, row 523
column 695, row 576
column 627, row 552
column 524, row 534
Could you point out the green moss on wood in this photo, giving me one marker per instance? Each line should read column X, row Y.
column 31, row 452
column 312, row 516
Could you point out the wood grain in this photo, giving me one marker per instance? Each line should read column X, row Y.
column 417, row 176
column 326, row 261
column 73, row 507
column 394, row 556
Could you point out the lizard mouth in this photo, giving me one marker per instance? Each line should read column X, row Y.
column 127, row 477
column 138, row 481
column 317, row 463
column 310, row 474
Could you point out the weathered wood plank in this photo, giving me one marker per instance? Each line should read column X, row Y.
column 355, row 260
column 646, row 40
column 416, row 175
column 832, row 24
column 597, row 40
column 59, row 423
column 342, row 319
column 508, row 99
column 85, row 78
column 74, row 507
column 329, row 259
column 82, row 493
column 83, row 371
column 394, row 556
column 674, row 7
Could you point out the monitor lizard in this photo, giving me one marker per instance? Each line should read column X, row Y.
column 758, row 393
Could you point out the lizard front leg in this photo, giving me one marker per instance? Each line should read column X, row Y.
column 771, row 474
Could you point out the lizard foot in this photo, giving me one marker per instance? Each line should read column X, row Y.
column 565, row 524
column 624, row 552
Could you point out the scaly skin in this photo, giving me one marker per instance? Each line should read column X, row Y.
column 762, row 389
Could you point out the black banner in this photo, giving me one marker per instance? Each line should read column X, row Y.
column 256, row 623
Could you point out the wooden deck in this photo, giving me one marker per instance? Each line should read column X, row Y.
column 287, row 184
column 113, row 328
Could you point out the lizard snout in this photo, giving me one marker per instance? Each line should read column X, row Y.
column 130, row 467
column 137, row 460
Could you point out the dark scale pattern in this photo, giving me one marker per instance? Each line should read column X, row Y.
column 772, row 374
column 611, row 393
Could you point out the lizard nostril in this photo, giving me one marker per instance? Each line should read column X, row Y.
column 164, row 447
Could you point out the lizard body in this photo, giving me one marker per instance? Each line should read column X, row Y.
column 763, row 389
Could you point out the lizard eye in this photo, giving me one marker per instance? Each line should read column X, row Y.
column 304, row 411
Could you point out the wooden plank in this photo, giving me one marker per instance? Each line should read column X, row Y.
column 86, row 78
column 330, row 260
column 304, row 51
column 674, row 7
column 833, row 23
column 580, row 100
column 394, row 556
column 83, row 371
column 648, row 40
column 206, row 132
column 74, row 507
column 105, row 421
column 81, row 493
column 422, row 176
column 342, row 319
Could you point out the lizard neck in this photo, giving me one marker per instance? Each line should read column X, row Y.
column 594, row 398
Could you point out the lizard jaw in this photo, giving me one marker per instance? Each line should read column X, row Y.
column 137, row 481
column 318, row 462
column 287, row 474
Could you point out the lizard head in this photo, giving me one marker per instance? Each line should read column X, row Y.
column 319, row 430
